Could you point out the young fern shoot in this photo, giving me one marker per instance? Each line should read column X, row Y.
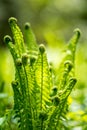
column 37, row 104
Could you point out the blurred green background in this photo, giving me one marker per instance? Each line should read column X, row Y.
column 45, row 16
column 53, row 22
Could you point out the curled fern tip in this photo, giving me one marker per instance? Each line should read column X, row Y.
column 27, row 26
column 55, row 100
column 77, row 30
column 7, row 39
column 18, row 62
column 32, row 59
column 42, row 48
column 68, row 65
column 12, row 19
column 73, row 80
column 25, row 59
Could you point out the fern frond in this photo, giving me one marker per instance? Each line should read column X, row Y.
column 72, row 45
column 64, row 84
column 65, row 74
column 31, row 85
column 24, row 109
column 30, row 40
column 11, row 46
column 56, row 113
column 69, row 59
column 42, row 77
column 26, row 104
column 17, row 36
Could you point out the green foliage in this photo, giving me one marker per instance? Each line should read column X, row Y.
column 40, row 95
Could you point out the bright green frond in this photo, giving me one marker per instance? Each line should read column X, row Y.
column 65, row 71
column 30, row 40
column 17, row 36
column 72, row 46
column 42, row 77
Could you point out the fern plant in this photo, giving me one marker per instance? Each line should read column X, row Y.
column 40, row 101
